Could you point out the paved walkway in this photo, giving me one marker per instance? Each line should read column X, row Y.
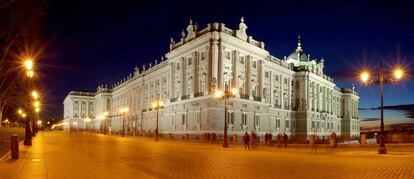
column 62, row 155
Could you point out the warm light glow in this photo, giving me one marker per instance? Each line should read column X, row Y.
column 23, row 115
column 398, row 73
column 20, row 111
column 234, row 91
column 154, row 105
column 124, row 110
column 28, row 64
column 160, row 103
column 29, row 73
column 35, row 95
column 39, row 122
column 36, row 104
column 106, row 113
column 37, row 110
column 218, row 94
column 87, row 119
column 364, row 76
column 75, row 123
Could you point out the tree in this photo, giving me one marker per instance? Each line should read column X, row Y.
column 20, row 32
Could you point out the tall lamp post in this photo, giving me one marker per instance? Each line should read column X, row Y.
column 225, row 95
column 366, row 79
column 123, row 111
column 157, row 105
column 28, row 65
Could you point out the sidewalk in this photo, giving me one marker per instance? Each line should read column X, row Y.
column 29, row 165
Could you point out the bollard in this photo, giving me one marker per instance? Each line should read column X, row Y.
column 14, row 146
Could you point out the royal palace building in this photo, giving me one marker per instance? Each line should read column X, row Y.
column 289, row 95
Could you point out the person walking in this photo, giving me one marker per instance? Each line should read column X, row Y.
column 279, row 140
column 246, row 140
column 269, row 139
column 285, row 139
column 266, row 138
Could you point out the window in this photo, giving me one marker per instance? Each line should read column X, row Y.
column 227, row 55
column 285, row 80
column 203, row 56
column 276, row 77
column 183, row 119
column 244, row 119
column 178, row 66
column 241, row 60
column 254, row 64
column 256, row 120
column 230, row 118
column 278, row 123
column 190, row 61
column 313, row 124
column 287, row 124
column 267, row 74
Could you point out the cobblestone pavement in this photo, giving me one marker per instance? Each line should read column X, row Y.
column 62, row 155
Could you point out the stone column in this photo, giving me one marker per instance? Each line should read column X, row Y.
column 260, row 65
column 183, row 77
column 235, row 69
column 214, row 56
column 196, row 76
column 220, row 70
column 248, row 77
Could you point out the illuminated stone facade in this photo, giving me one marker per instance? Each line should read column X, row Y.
column 290, row 95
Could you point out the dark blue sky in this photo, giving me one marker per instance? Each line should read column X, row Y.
column 100, row 42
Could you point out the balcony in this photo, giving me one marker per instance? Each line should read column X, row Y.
column 173, row 99
column 244, row 96
column 257, row 98
column 278, row 106
column 185, row 97
column 198, row 94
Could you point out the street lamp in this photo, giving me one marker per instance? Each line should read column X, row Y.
column 225, row 95
column 123, row 111
column 398, row 73
column 157, row 105
column 29, row 66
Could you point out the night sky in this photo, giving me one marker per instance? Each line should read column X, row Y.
column 100, row 42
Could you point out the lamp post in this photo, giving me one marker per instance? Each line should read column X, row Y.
column 28, row 65
column 157, row 105
column 225, row 95
column 365, row 78
column 123, row 111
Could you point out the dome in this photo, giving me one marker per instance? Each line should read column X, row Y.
column 299, row 55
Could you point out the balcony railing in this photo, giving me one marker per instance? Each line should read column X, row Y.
column 173, row 99
column 198, row 94
column 185, row 97
column 244, row 96
column 256, row 98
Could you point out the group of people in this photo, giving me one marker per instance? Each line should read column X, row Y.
column 252, row 139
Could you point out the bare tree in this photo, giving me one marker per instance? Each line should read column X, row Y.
column 20, row 27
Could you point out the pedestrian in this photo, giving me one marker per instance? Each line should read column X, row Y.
column 285, row 139
column 266, row 138
column 279, row 140
column 270, row 138
column 331, row 140
column 246, row 140
column 253, row 139
column 335, row 140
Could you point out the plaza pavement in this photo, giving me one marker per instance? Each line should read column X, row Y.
column 82, row 155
